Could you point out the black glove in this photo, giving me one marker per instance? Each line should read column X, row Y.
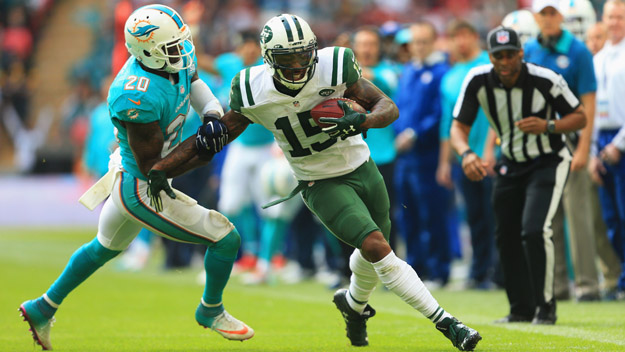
column 346, row 126
column 211, row 137
column 157, row 182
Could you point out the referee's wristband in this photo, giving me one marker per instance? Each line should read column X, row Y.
column 467, row 152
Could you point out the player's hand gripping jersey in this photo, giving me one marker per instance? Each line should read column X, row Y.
column 312, row 153
column 139, row 96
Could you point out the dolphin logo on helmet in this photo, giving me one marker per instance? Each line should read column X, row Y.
column 144, row 31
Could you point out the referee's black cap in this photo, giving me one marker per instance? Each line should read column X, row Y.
column 503, row 38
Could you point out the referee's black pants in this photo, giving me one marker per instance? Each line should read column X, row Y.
column 524, row 204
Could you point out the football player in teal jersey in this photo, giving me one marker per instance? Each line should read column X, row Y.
column 338, row 180
column 148, row 103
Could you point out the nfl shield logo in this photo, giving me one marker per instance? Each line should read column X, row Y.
column 503, row 37
column 296, row 104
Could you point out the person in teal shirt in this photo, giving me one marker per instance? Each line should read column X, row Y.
column 467, row 53
column 366, row 44
column 262, row 231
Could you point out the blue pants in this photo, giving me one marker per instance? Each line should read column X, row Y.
column 612, row 198
column 477, row 198
column 423, row 214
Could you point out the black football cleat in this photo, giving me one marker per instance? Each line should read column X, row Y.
column 356, row 324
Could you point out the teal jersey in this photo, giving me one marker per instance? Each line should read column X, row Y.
column 450, row 90
column 99, row 142
column 381, row 141
column 228, row 65
column 139, row 96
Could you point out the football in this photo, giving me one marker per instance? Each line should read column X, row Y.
column 331, row 108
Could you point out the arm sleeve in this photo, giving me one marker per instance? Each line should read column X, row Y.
column 203, row 100
column 467, row 104
column 564, row 101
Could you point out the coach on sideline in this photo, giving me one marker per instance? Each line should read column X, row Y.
column 520, row 101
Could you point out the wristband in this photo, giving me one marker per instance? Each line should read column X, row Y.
column 467, row 152
column 209, row 117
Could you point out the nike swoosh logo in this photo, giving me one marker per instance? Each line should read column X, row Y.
column 236, row 332
column 138, row 102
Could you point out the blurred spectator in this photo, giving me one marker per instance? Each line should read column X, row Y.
column 367, row 47
column 402, row 40
column 596, row 37
column 608, row 164
column 17, row 38
column 424, row 205
column 122, row 11
column 465, row 48
column 240, row 197
column 609, row 261
column 100, row 140
column 557, row 49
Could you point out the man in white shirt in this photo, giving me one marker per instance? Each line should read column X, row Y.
column 607, row 166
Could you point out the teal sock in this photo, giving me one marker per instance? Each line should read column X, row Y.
column 272, row 238
column 204, row 315
column 84, row 262
column 247, row 221
column 218, row 263
column 45, row 308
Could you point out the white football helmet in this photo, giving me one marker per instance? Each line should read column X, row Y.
column 522, row 21
column 579, row 15
column 159, row 39
column 289, row 48
column 276, row 177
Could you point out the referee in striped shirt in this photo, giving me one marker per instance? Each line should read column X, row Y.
column 529, row 107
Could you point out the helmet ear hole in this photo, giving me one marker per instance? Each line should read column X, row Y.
column 146, row 53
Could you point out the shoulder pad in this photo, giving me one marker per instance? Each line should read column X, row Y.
column 338, row 65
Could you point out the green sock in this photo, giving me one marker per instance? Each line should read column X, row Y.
column 218, row 263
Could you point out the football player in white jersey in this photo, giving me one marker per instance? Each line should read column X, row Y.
column 148, row 102
column 337, row 178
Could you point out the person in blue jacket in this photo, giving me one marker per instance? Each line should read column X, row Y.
column 423, row 203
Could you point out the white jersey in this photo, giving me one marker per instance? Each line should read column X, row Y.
column 610, row 73
column 312, row 154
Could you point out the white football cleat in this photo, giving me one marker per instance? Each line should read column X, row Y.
column 230, row 327
column 39, row 325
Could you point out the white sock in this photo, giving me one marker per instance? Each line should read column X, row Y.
column 47, row 299
column 210, row 305
column 402, row 280
column 362, row 282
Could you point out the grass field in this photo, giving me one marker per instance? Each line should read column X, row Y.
column 153, row 311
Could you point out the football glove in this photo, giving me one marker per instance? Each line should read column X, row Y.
column 157, row 182
column 211, row 137
column 346, row 126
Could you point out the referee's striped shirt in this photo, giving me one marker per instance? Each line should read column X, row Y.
column 538, row 92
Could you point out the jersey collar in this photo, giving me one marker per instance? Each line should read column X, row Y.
column 564, row 44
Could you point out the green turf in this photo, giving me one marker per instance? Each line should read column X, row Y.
column 153, row 311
